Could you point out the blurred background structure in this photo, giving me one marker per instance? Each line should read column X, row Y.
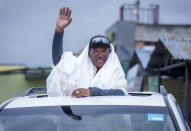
column 154, row 54
column 16, row 79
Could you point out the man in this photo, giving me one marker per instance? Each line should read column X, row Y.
column 97, row 71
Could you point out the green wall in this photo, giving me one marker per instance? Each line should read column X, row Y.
column 15, row 84
column 173, row 86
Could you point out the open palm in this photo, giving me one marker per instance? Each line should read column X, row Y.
column 63, row 20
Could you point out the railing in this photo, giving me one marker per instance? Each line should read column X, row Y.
column 132, row 12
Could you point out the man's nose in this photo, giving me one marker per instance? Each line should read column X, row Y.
column 100, row 54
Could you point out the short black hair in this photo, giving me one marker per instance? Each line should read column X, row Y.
column 99, row 41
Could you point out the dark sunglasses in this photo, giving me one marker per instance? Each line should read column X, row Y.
column 99, row 41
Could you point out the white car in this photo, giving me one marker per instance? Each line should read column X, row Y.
column 140, row 111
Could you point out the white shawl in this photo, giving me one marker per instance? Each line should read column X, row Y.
column 78, row 72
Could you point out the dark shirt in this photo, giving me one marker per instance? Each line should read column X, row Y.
column 94, row 91
column 57, row 51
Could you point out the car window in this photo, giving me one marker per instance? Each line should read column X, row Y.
column 85, row 118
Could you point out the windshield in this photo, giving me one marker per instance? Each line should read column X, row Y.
column 85, row 118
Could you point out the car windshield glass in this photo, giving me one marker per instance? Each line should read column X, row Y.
column 85, row 118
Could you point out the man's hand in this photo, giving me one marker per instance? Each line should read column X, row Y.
column 81, row 92
column 63, row 19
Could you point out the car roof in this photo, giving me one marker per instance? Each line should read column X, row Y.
column 134, row 99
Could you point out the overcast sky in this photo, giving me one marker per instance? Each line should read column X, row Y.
column 27, row 26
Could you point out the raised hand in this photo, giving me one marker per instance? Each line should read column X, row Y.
column 63, row 19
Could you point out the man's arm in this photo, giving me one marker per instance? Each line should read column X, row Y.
column 94, row 91
column 57, row 47
column 62, row 22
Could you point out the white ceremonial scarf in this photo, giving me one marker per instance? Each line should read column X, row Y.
column 78, row 72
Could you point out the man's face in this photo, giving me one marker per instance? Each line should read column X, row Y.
column 99, row 56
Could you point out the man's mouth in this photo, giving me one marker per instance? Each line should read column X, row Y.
column 100, row 60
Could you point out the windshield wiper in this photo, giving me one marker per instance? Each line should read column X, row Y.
column 67, row 110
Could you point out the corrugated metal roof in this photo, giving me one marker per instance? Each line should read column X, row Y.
column 168, row 51
column 179, row 49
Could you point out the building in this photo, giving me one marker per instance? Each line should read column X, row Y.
column 170, row 61
column 140, row 27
